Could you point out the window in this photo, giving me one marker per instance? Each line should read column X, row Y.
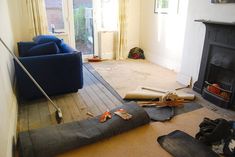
column 161, row 6
column 55, row 16
column 109, row 15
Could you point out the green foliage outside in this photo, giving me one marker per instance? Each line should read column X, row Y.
column 162, row 3
column 80, row 24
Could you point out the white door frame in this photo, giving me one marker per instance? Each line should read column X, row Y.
column 70, row 22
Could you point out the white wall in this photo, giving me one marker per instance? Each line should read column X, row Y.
column 8, row 105
column 195, row 32
column 162, row 35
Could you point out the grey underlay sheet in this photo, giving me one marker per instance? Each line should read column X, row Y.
column 180, row 144
column 53, row 140
column 162, row 114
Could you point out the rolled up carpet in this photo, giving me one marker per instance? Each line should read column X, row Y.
column 53, row 140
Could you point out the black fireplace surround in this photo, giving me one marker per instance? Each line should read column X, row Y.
column 218, row 63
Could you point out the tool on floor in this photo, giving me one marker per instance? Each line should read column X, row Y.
column 147, row 93
column 58, row 113
column 123, row 114
column 176, row 103
column 105, row 116
column 90, row 114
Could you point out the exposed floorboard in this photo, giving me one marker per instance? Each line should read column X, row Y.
column 94, row 98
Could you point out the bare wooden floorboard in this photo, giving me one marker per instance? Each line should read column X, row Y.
column 72, row 106
column 83, row 108
column 45, row 118
column 94, row 98
column 88, row 101
column 52, row 112
column 105, row 93
column 101, row 96
column 67, row 117
column 33, row 116
column 23, row 118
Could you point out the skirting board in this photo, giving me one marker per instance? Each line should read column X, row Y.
column 184, row 79
column 107, row 55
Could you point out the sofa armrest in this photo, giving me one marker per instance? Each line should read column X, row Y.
column 23, row 47
column 57, row 74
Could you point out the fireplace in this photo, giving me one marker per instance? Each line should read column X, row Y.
column 216, row 80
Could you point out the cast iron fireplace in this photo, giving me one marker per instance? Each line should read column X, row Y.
column 218, row 64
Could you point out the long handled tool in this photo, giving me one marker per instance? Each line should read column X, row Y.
column 59, row 115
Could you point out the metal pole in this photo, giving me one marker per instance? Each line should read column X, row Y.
column 31, row 77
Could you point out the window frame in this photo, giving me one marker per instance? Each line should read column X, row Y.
column 160, row 10
column 65, row 29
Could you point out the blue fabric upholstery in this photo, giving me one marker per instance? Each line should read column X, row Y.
column 56, row 73
column 24, row 47
column 64, row 48
column 41, row 39
column 44, row 49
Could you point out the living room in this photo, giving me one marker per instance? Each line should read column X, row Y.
column 179, row 42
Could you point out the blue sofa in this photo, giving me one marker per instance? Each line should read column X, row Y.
column 56, row 73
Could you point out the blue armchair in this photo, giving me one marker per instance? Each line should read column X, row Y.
column 56, row 73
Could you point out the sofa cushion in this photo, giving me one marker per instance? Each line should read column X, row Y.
column 44, row 49
column 65, row 48
column 40, row 39
column 24, row 47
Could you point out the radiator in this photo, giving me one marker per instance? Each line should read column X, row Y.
column 106, row 44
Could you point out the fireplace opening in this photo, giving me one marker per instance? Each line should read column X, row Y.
column 219, row 86
column 216, row 80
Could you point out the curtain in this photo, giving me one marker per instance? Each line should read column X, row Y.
column 37, row 13
column 121, row 34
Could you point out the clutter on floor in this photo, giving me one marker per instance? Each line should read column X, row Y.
column 166, row 113
column 57, row 139
column 180, row 144
column 136, row 53
column 105, row 116
column 160, row 104
column 219, row 134
column 123, row 114
column 160, row 114
column 215, row 138
column 147, row 93
column 141, row 142
column 95, row 59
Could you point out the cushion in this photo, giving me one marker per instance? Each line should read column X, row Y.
column 40, row 39
column 44, row 49
column 65, row 48
column 24, row 47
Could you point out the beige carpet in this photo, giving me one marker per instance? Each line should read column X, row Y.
column 127, row 75
column 141, row 142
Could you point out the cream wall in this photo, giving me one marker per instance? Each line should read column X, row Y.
column 195, row 32
column 8, row 106
column 162, row 35
column 133, row 25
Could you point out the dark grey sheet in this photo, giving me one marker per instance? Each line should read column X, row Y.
column 180, row 144
column 160, row 114
column 50, row 141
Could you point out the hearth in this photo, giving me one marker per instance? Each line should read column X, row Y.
column 216, row 80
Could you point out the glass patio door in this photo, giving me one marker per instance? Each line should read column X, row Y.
column 83, row 26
